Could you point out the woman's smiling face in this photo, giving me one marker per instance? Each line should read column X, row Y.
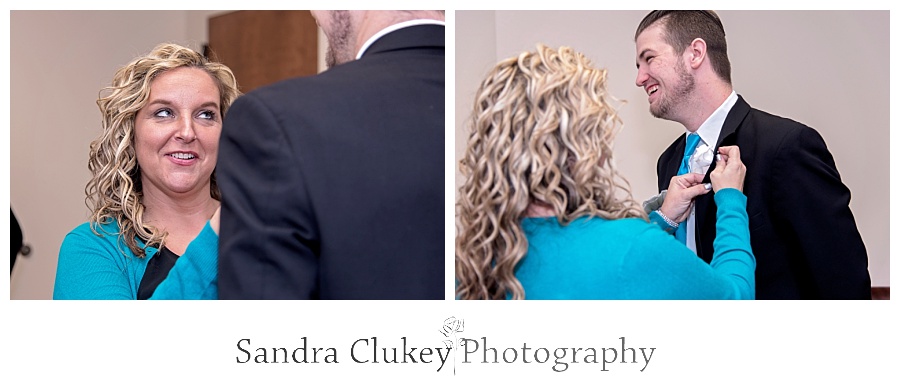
column 177, row 132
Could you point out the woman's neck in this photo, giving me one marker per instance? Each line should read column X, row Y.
column 181, row 217
column 539, row 209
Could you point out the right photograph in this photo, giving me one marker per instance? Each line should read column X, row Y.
column 672, row 155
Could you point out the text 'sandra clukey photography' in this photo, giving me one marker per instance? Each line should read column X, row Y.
column 453, row 351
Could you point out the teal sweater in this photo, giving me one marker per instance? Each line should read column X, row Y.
column 102, row 267
column 595, row 258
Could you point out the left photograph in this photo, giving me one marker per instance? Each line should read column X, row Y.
column 236, row 155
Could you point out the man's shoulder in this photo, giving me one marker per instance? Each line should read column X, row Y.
column 764, row 128
column 292, row 85
column 772, row 133
column 304, row 91
column 338, row 79
column 774, row 122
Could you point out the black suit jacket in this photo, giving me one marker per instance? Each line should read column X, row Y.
column 802, row 231
column 333, row 185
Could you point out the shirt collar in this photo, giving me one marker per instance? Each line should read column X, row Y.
column 711, row 128
column 392, row 28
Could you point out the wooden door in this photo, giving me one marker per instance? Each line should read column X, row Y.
column 263, row 47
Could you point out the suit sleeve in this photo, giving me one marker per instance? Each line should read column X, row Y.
column 813, row 204
column 268, row 243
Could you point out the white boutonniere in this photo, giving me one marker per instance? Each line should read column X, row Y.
column 702, row 159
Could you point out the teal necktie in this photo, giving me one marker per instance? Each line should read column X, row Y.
column 692, row 140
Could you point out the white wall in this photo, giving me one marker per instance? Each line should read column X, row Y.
column 828, row 69
column 59, row 60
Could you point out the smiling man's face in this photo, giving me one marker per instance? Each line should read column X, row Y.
column 662, row 73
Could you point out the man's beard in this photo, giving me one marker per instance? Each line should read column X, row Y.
column 680, row 93
column 340, row 48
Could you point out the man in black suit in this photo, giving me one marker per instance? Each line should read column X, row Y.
column 802, row 231
column 333, row 185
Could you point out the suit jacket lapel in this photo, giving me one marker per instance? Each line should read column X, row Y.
column 705, row 212
column 727, row 136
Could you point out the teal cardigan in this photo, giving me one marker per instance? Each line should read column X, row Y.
column 102, row 267
column 595, row 258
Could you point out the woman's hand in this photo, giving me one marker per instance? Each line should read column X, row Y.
column 730, row 171
column 680, row 196
column 214, row 220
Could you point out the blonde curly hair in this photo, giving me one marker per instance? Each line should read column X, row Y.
column 541, row 133
column 114, row 191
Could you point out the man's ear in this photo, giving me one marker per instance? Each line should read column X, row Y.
column 696, row 52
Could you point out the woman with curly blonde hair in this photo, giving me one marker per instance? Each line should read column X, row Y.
column 543, row 211
column 152, row 193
